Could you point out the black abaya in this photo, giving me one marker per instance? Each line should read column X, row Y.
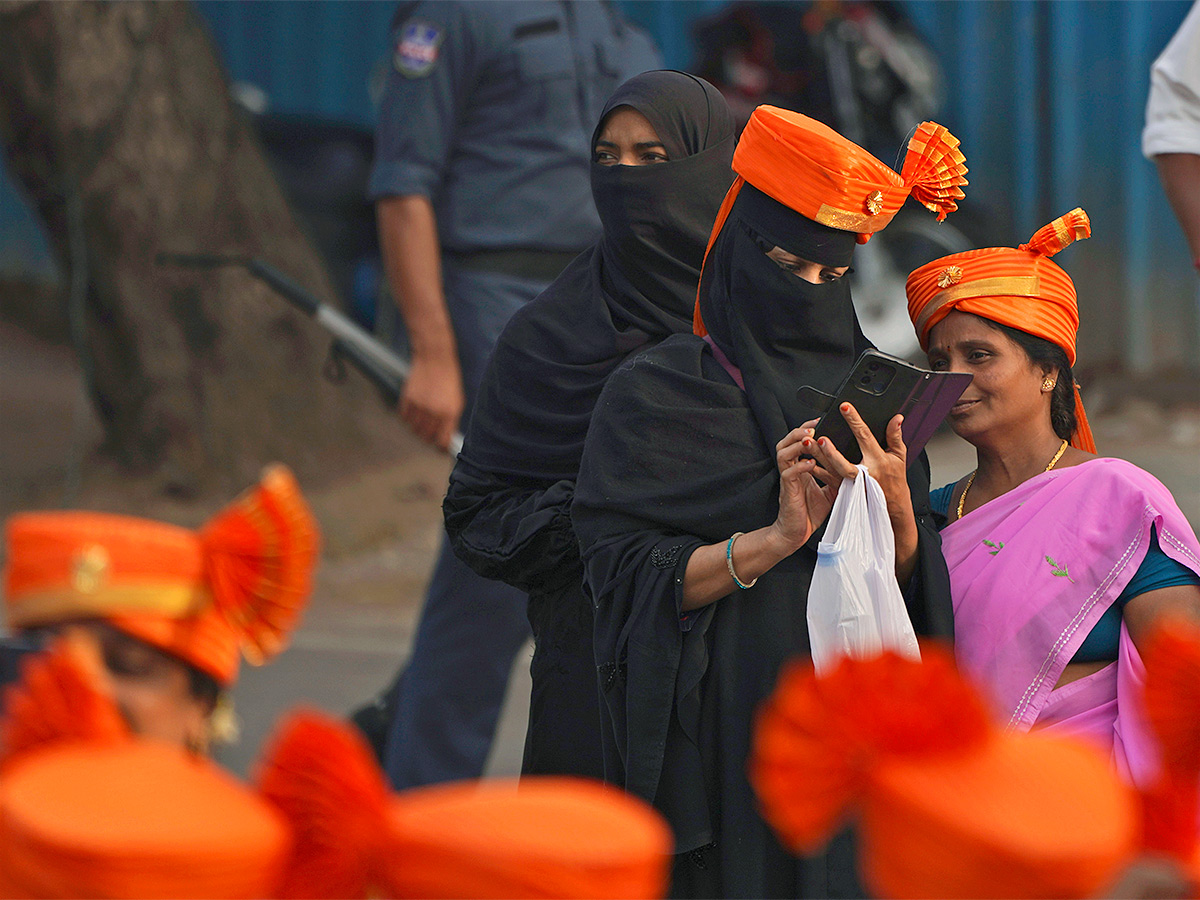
column 680, row 456
column 507, row 508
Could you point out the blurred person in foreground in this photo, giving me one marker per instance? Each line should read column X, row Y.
column 692, row 443
column 662, row 152
column 947, row 802
column 1171, row 137
column 481, row 191
column 1061, row 561
column 171, row 610
column 88, row 809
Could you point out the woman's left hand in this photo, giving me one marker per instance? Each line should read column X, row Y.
column 889, row 467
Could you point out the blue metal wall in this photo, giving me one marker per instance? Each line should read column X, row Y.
column 1049, row 101
column 310, row 56
column 1047, row 97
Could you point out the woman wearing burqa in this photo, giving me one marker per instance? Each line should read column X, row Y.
column 661, row 166
column 695, row 442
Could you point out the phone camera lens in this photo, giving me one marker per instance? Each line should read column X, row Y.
column 866, row 379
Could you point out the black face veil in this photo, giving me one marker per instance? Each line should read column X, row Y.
column 657, row 218
column 781, row 331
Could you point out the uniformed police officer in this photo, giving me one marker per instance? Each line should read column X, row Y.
column 482, row 191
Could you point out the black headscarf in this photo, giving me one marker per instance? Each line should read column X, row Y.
column 656, row 223
column 636, row 286
column 781, row 331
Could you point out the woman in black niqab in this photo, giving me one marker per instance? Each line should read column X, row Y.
column 680, row 462
column 507, row 507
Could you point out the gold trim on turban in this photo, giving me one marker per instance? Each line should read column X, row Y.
column 1004, row 286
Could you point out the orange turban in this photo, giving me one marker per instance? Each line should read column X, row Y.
column 547, row 837
column 134, row 819
column 810, row 168
column 947, row 805
column 89, row 810
column 235, row 586
column 1021, row 288
column 1172, row 703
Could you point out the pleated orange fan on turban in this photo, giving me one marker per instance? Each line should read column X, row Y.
column 946, row 804
column 813, row 170
column 236, row 586
column 1019, row 287
column 64, row 696
column 547, row 837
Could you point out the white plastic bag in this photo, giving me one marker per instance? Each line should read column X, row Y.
column 854, row 603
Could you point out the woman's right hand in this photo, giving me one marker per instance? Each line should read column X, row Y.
column 803, row 503
column 803, row 506
column 889, row 468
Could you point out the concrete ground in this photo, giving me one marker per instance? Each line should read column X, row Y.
column 381, row 533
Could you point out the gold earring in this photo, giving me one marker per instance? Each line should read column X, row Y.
column 1047, row 384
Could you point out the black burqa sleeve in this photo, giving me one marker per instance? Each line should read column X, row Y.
column 513, row 532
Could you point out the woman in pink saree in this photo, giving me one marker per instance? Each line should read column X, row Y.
column 1060, row 561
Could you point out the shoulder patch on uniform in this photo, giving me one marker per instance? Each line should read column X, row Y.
column 417, row 48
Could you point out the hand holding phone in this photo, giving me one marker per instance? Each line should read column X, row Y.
column 879, row 386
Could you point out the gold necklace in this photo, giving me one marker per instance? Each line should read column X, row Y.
column 970, row 481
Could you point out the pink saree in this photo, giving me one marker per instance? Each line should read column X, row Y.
column 1031, row 573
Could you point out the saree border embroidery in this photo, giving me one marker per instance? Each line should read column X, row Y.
column 1177, row 544
column 1073, row 625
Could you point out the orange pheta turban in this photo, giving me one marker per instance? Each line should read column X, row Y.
column 810, row 168
column 544, row 837
column 1021, row 288
column 946, row 803
column 1172, row 708
column 89, row 810
column 236, row 586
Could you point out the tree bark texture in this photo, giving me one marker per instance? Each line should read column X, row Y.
column 117, row 119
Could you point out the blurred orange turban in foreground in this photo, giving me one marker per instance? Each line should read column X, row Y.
column 134, row 819
column 810, row 168
column 547, row 837
column 88, row 810
column 1019, row 287
column 945, row 803
column 235, row 586
column 1172, row 703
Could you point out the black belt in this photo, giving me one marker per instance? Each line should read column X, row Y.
column 537, row 265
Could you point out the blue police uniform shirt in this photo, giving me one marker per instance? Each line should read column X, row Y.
column 488, row 110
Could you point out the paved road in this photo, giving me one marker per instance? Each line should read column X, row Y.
column 338, row 659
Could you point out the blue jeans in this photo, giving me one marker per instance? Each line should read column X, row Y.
column 449, row 696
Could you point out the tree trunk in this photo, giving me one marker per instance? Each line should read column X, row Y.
column 117, row 119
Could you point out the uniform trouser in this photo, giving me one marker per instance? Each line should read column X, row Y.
column 449, row 696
